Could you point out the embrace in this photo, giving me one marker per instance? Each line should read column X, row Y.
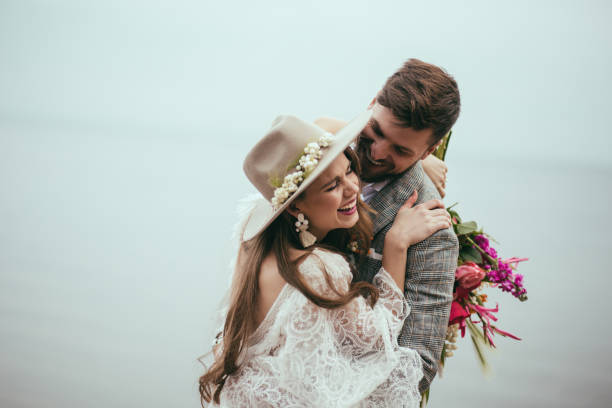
column 344, row 278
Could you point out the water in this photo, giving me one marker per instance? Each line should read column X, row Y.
column 123, row 125
column 115, row 254
column 555, row 214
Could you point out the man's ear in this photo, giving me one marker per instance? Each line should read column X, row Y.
column 431, row 149
column 372, row 102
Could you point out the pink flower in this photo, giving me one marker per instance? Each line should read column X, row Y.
column 469, row 276
column 457, row 314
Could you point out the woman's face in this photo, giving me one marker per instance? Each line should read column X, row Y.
column 330, row 202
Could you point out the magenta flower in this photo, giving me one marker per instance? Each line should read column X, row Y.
column 505, row 333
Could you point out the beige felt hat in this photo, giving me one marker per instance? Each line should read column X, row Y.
column 275, row 159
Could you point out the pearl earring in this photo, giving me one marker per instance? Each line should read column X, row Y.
column 301, row 227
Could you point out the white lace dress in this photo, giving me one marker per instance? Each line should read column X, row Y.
column 303, row 355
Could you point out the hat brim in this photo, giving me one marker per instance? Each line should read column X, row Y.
column 263, row 213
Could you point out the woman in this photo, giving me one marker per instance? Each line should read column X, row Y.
column 299, row 331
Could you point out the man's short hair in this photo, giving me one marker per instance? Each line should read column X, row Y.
column 422, row 96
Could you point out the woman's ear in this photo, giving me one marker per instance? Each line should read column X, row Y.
column 293, row 209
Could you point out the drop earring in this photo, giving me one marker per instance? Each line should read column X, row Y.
column 306, row 237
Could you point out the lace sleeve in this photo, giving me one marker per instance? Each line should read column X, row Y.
column 357, row 323
column 349, row 355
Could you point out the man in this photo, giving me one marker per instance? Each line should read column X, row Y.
column 415, row 109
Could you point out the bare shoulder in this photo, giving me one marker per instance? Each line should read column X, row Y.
column 270, row 284
column 332, row 125
column 270, row 280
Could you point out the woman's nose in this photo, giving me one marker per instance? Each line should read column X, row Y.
column 352, row 186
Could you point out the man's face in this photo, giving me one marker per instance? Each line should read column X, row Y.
column 386, row 148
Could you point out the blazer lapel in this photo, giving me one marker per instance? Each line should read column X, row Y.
column 389, row 200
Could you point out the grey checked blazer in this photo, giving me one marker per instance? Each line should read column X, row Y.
column 430, row 270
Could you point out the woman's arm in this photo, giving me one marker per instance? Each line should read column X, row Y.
column 436, row 170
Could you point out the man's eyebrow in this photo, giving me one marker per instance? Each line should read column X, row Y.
column 376, row 128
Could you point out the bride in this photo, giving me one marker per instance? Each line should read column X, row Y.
column 299, row 331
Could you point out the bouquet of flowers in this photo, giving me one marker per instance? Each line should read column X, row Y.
column 479, row 266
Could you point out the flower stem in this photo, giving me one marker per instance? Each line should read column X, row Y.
column 483, row 252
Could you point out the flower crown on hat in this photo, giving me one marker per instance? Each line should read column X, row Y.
column 306, row 163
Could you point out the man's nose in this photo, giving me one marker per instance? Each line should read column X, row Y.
column 379, row 149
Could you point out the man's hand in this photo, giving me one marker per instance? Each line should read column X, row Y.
column 436, row 170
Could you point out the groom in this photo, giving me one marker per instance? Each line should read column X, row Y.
column 417, row 106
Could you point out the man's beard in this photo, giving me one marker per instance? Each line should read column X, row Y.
column 371, row 172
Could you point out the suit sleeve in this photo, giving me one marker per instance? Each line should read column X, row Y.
column 430, row 275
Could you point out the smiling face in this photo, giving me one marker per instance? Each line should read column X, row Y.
column 386, row 148
column 330, row 202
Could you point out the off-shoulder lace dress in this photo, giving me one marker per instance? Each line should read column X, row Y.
column 303, row 355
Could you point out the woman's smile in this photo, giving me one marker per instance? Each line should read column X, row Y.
column 350, row 208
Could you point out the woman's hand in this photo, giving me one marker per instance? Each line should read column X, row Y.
column 411, row 225
column 414, row 224
column 436, row 170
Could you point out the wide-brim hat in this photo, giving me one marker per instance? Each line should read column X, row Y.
column 272, row 164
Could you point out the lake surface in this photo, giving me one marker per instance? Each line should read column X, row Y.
column 116, row 249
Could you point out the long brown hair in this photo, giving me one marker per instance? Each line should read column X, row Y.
column 279, row 238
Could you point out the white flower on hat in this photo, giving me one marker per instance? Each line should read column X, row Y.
column 306, row 164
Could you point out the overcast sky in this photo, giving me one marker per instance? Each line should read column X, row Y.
column 534, row 76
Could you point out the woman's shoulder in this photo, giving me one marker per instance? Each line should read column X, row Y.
column 314, row 263
column 270, row 283
column 321, row 257
column 269, row 275
column 322, row 267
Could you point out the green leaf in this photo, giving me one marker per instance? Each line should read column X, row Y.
column 479, row 353
column 475, row 330
column 477, row 340
column 470, row 254
column 275, row 181
column 466, row 227
column 440, row 152
column 425, row 398
column 451, row 206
